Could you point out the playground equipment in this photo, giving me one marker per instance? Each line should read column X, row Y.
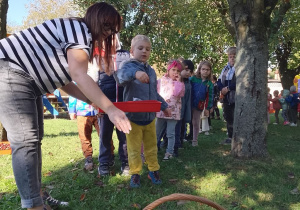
column 54, row 103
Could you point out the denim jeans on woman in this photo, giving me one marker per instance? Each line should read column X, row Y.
column 22, row 116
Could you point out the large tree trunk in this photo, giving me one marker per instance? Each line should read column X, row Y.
column 250, row 120
column 3, row 16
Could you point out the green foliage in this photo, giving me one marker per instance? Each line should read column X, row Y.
column 208, row 171
column 190, row 29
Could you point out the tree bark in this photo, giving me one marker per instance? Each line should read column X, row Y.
column 250, row 120
column 3, row 17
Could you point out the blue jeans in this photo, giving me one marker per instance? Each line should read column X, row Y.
column 106, row 132
column 22, row 116
column 161, row 125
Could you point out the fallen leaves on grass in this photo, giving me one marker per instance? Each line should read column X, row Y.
column 50, row 153
column 75, row 176
column 136, row 206
column 231, row 188
column 49, row 173
column 100, row 184
column 173, row 181
column 226, row 196
column 181, row 202
column 82, row 197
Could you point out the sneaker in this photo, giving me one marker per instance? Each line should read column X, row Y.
column 275, row 123
column 286, row 123
column 206, row 133
column 135, row 181
column 88, row 165
column 168, row 156
column 154, row 177
column 194, row 143
column 125, row 169
column 226, row 142
column 293, row 125
column 48, row 200
column 103, row 169
column 185, row 140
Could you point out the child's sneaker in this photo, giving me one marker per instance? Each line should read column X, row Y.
column 88, row 165
column 168, row 156
column 275, row 123
column 48, row 200
column 103, row 169
column 293, row 125
column 135, row 181
column 206, row 133
column 194, row 143
column 154, row 177
column 286, row 123
column 125, row 169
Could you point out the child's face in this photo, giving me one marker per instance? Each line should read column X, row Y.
column 141, row 51
column 204, row 71
column 185, row 73
column 275, row 93
column 231, row 59
column 174, row 73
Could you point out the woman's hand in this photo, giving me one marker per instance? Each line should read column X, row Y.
column 119, row 119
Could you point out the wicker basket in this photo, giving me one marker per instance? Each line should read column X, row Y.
column 179, row 196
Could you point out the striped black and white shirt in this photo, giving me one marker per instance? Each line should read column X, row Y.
column 41, row 51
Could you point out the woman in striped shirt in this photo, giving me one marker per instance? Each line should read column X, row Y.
column 39, row 60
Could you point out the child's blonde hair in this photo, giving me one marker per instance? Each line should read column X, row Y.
column 139, row 37
column 207, row 63
column 231, row 51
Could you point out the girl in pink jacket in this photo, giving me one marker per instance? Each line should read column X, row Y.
column 171, row 89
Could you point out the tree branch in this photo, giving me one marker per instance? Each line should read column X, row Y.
column 223, row 10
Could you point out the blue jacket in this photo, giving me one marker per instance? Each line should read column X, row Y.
column 293, row 100
column 108, row 86
column 135, row 90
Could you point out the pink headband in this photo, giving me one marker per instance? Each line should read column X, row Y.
column 175, row 63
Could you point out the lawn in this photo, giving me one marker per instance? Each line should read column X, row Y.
column 208, row 171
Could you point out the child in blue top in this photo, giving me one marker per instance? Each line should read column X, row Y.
column 293, row 100
column 140, row 83
column 202, row 90
column 186, row 112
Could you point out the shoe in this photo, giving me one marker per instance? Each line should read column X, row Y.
column 226, row 142
column 293, row 125
column 125, row 169
column 185, row 140
column 103, row 169
column 48, row 200
column 275, row 123
column 168, row 156
column 154, row 177
column 206, row 133
column 194, row 143
column 88, row 165
column 135, row 181
column 200, row 131
column 286, row 123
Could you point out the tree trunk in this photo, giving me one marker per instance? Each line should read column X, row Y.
column 3, row 17
column 250, row 120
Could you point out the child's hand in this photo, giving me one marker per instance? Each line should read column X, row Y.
column 167, row 112
column 142, row 77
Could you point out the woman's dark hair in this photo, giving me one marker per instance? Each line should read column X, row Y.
column 96, row 18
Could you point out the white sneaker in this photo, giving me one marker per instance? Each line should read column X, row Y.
column 206, row 133
column 275, row 123
column 293, row 125
column 194, row 143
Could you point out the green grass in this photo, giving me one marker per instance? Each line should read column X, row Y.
column 208, row 171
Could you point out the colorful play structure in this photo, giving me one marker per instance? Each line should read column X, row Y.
column 55, row 104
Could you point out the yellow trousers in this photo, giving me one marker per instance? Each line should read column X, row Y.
column 147, row 135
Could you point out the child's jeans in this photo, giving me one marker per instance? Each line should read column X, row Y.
column 85, row 128
column 161, row 125
column 284, row 115
column 276, row 115
column 106, row 132
column 22, row 116
column 139, row 134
